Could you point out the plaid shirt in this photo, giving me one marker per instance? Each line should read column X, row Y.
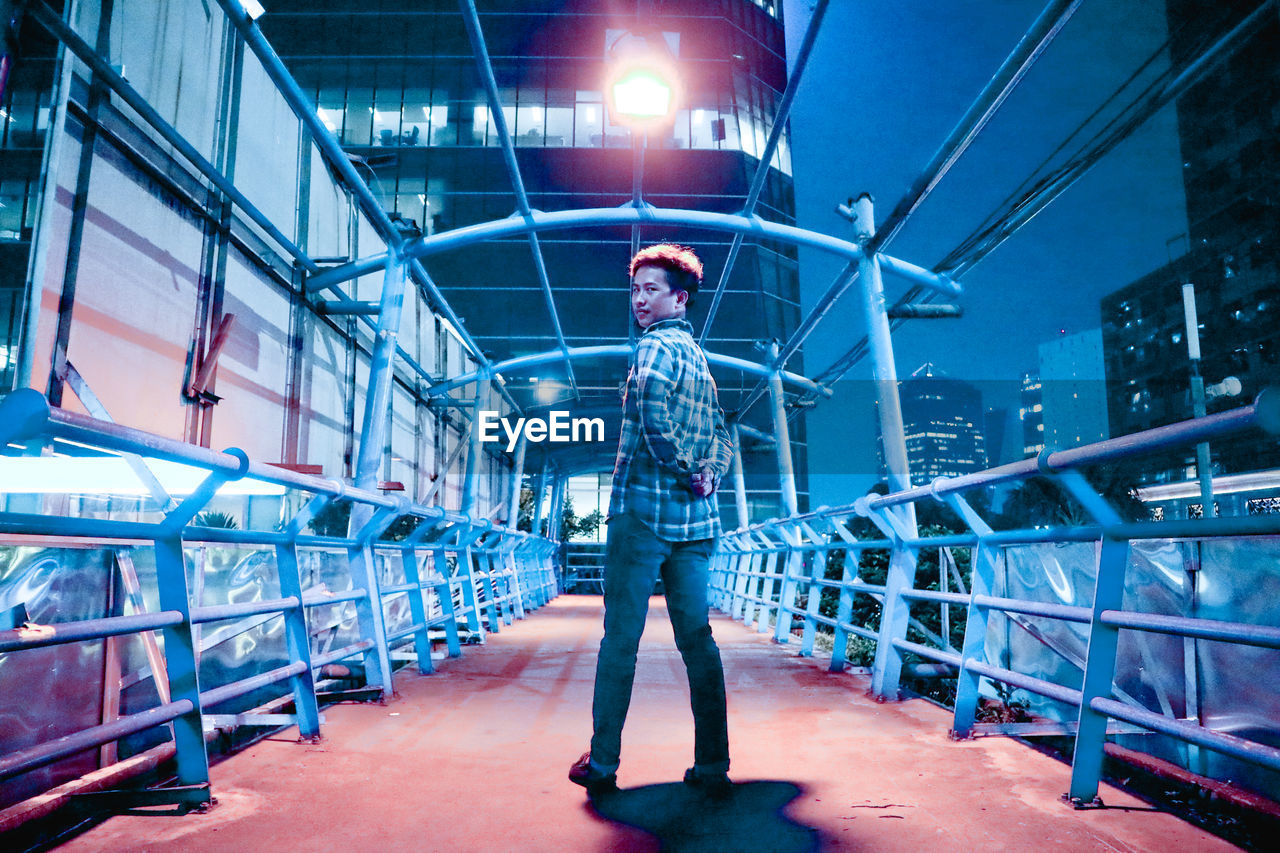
column 672, row 426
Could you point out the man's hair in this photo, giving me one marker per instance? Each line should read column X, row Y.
column 684, row 270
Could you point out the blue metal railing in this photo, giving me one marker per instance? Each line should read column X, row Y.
column 456, row 571
column 760, row 577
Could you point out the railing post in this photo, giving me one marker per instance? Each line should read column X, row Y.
column 444, row 594
column 817, row 571
column 782, row 436
column 739, row 480
column 418, row 609
column 844, row 612
column 180, row 662
column 794, row 568
column 895, row 612
column 370, row 614
column 753, row 557
column 982, row 582
column 1100, row 660
column 298, row 639
column 767, row 585
column 1099, row 672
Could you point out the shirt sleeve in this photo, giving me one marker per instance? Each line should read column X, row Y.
column 656, row 378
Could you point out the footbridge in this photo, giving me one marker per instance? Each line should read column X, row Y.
column 423, row 678
column 264, row 583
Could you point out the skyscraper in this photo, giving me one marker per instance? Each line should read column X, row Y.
column 1227, row 128
column 1073, row 390
column 943, row 422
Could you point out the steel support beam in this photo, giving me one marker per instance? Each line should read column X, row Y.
column 766, row 157
column 989, row 100
column 750, row 226
column 480, row 52
column 373, row 431
column 527, row 362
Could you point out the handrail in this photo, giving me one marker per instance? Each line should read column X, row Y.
column 497, row 574
column 773, row 574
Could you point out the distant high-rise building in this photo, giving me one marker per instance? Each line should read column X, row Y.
column 1073, row 390
column 996, row 431
column 1031, row 414
column 1227, row 127
column 943, row 421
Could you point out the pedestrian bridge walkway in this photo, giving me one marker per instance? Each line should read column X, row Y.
column 474, row 757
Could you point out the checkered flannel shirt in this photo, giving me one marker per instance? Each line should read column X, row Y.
column 672, row 426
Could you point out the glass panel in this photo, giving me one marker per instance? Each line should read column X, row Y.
column 359, row 120
column 416, row 123
column 701, row 135
column 531, row 122
column 559, row 126
column 588, row 124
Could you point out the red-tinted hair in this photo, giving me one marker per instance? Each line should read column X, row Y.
column 684, row 270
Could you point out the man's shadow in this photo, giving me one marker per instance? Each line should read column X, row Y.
column 687, row 820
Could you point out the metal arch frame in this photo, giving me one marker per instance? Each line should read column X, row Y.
column 628, row 214
column 526, row 362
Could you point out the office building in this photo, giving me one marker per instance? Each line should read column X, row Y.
column 1031, row 414
column 943, row 422
column 1231, row 169
column 396, row 82
column 1073, row 390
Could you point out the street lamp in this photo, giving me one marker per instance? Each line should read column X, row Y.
column 642, row 88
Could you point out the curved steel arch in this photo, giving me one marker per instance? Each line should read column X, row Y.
column 538, row 220
column 525, row 362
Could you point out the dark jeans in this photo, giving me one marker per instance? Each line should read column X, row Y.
column 633, row 559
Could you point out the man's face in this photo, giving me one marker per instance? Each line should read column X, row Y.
column 653, row 299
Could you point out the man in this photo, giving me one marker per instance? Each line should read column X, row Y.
column 663, row 519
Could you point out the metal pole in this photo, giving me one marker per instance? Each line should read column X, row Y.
column 1203, row 471
column 484, row 67
column 517, row 482
column 540, row 487
column 766, row 157
column 884, row 369
column 471, row 475
column 782, row 435
column 378, row 396
column 739, row 480
column 902, row 563
column 1029, row 48
column 555, row 511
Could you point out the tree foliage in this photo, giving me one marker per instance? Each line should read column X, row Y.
column 571, row 524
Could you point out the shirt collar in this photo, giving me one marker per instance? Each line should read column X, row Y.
column 671, row 323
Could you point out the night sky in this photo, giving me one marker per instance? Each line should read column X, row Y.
column 885, row 85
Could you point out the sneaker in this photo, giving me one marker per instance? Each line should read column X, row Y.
column 582, row 773
column 715, row 785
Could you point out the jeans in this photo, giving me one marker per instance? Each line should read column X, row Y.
column 634, row 557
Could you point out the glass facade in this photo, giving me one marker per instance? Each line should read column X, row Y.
column 1231, row 162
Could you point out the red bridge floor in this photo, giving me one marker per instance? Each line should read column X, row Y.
column 474, row 759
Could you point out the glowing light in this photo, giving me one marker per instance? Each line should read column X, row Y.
column 642, row 94
column 253, row 9
column 642, row 89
